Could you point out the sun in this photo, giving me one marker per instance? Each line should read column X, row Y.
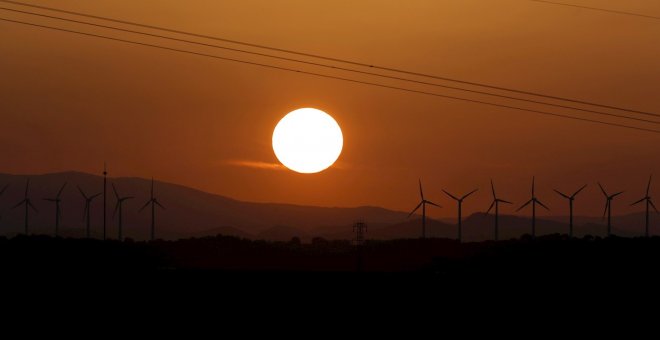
column 307, row 140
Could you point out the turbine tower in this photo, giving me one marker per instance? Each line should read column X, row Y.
column 87, row 213
column 105, row 186
column 28, row 204
column 649, row 202
column 423, row 204
column 118, row 207
column 460, row 209
column 2, row 192
column 496, row 204
column 534, row 202
column 608, row 208
column 570, row 199
column 58, row 210
column 154, row 202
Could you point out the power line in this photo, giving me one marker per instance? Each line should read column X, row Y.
column 334, row 77
column 355, row 63
column 597, row 9
column 334, row 67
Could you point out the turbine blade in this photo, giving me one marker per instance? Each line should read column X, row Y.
column 577, row 192
column 145, row 205
column 470, row 193
column 504, row 201
column 560, row 193
column 61, row 189
column 116, row 208
column 492, row 186
column 617, row 194
column 160, row 205
column 50, row 199
column 417, row 207
column 32, row 206
column 82, row 192
column 152, row 187
column 115, row 190
column 27, row 187
column 653, row 205
column 94, row 196
column 128, row 198
column 421, row 193
column 4, row 189
column 602, row 189
column 648, row 186
column 431, row 203
column 450, row 195
column 543, row 205
column 524, row 205
column 533, row 180
column 19, row 204
column 491, row 207
column 607, row 205
column 638, row 201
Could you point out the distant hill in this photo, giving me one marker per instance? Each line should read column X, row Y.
column 409, row 228
column 623, row 225
column 283, row 233
column 476, row 227
column 480, row 227
column 194, row 213
column 188, row 212
column 226, row 231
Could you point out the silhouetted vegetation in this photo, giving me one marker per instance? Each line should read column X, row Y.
column 553, row 256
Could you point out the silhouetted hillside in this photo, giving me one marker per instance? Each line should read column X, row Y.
column 408, row 229
column 283, row 233
column 226, row 231
column 481, row 227
column 625, row 225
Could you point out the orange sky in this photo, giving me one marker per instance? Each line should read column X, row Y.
column 70, row 102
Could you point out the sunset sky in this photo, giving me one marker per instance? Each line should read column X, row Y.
column 70, row 102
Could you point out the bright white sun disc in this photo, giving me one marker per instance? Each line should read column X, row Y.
column 307, row 140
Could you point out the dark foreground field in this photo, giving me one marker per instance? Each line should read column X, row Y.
column 436, row 259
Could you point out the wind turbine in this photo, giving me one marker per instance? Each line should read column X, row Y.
column 608, row 208
column 105, row 187
column 460, row 209
column 423, row 204
column 649, row 202
column 28, row 204
column 153, row 201
column 496, row 204
column 534, row 202
column 118, row 207
column 58, row 210
column 570, row 199
column 87, row 213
